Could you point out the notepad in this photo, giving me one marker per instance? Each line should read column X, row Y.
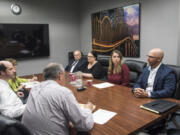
column 159, row 106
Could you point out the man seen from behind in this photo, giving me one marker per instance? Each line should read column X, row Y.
column 51, row 106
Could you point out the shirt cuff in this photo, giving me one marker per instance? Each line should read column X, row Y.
column 149, row 94
column 87, row 110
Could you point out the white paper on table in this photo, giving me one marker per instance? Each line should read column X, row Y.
column 30, row 84
column 103, row 85
column 101, row 116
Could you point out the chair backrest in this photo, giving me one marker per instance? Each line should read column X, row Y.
column 70, row 56
column 173, row 131
column 104, row 61
column 176, row 70
column 9, row 126
column 135, row 67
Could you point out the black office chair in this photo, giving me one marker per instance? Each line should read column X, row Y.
column 9, row 126
column 104, row 61
column 176, row 70
column 175, row 121
column 70, row 56
column 173, row 131
column 136, row 67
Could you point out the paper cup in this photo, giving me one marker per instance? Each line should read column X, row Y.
column 89, row 83
column 72, row 77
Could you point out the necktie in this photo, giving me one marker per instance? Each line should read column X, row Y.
column 73, row 66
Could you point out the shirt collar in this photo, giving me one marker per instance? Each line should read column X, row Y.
column 76, row 60
column 4, row 82
column 154, row 69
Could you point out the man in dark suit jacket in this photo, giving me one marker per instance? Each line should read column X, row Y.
column 76, row 64
column 157, row 80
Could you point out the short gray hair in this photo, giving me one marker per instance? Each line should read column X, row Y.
column 52, row 70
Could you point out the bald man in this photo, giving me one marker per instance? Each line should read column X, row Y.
column 10, row 104
column 76, row 64
column 157, row 80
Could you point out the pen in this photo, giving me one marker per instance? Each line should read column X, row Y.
column 89, row 101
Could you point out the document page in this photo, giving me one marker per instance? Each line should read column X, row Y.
column 30, row 84
column 101, row 116
column 103, row 85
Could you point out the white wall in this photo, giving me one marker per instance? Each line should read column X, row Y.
column 159, row 25
column 63, row 19
column 159, row 28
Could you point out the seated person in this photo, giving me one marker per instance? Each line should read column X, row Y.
column 93, row 68
column 51, row 106
column 157, row 80
column 15, row 82
column 77, row 63
column 10, row 104
column 118, row 73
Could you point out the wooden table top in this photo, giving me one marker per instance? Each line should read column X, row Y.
column 130, row 117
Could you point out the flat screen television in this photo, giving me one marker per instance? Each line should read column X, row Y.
column 24, row 40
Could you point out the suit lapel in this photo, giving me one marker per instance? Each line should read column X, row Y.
column 146, row 77
column 158, row 74
column 77, row 64
column 71, row 63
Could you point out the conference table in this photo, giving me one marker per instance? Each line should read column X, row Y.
column 130, row 118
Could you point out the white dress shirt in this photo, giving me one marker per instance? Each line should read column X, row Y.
column 151, row 79
column 10, row 104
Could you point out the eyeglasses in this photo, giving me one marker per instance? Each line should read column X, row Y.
column 76, row 55
column 153, row 57
column 90, row 56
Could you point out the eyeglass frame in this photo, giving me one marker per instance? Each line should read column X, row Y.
column 153, row 57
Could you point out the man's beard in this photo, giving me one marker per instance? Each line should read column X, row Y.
column 14, row 76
